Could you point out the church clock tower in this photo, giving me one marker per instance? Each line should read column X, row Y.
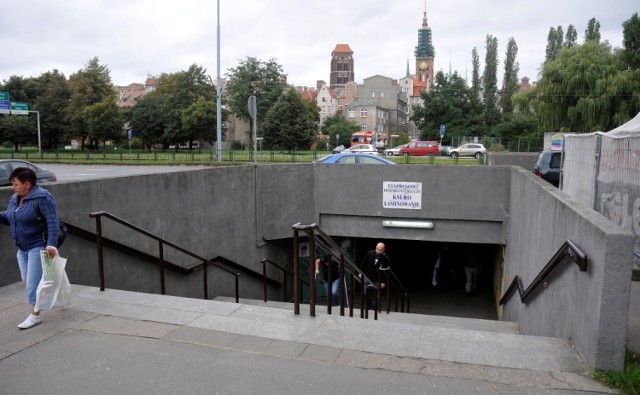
column 424, row 53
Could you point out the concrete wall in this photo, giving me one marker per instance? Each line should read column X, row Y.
column 466, row 203
column 245, row 214
column 590, row 307
column 526, row 160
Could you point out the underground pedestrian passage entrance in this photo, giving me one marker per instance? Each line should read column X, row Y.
column 444, row 293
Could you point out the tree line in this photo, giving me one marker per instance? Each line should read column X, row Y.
column 581, row 88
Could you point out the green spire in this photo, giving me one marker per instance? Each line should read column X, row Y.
column 424, row 49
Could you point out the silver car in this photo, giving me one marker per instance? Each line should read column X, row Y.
column 395, row 151
column 363, row 149
column 470, row 149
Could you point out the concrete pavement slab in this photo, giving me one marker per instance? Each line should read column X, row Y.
column 123, row 326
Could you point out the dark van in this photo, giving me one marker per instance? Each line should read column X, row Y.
column 549, row 166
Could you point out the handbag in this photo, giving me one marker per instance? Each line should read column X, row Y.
column 62, row 232
column 54, row 289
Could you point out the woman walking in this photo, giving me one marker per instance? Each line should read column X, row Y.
column 33, row 224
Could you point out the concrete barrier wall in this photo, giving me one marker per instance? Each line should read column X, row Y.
column 245, row 214
column 526, row 160
column 590, row 307
column 465, row 203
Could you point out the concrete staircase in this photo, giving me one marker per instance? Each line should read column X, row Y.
column 473, row 350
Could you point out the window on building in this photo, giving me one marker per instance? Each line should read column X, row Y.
column 352, row 113
column 381, row 94
column 363, row 127
column 373, row 94
column 363, row 112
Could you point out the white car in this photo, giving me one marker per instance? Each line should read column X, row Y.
column 470, row 149
column 362, row 148
column 395, row 151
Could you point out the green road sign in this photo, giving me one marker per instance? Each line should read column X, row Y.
column 4, row 103
column 18, row 108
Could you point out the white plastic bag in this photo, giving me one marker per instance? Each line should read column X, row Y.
column 57, row 293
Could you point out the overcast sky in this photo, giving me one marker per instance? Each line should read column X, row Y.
column 134, row 38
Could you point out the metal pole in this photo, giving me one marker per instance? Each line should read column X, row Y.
column 39, row 140
column 219, row 99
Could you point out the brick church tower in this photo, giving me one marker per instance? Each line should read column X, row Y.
column 341, row 66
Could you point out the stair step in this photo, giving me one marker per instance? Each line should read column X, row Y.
column 436, row 321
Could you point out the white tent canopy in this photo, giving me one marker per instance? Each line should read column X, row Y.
column 629, row 129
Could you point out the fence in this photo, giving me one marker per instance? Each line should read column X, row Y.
column 603, row 172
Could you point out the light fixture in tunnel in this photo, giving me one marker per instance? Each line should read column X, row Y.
column 408, row 224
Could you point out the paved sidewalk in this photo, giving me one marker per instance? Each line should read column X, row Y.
column 123, row 342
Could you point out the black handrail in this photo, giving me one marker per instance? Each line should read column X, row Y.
column 284, row 271
column 334, row 250
column 393, row 279
column 161, row 243
column 567, row 250
column 318, row 238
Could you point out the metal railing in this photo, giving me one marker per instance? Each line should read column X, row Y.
column 285, row 274
column 567, row 250
column 204, row 263
column 346, row 268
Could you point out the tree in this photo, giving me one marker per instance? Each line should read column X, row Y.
column 592, row 32
column 475, row 73
column 17, row 129
column 510, row 79
column 199, row 121
column 583, row 91
column 252, row 77
column 52, row 102
column 104, row 122
column 631, row 41
column 571, row 38
column 180, row 91
column 147, row 119
column 338, row 125
column 554, row 43
column 88, row 86
column 290, row 123
column 490, row 83
column 450, row 102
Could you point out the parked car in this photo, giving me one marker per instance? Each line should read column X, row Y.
column 470, row 149
column 549, row 167
column 363, row 148
column 338, row 149
column 421, row 148
column 395, row 151
column 8, row 165
column 445, row 149
column 351, row 157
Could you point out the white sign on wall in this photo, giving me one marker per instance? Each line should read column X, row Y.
column 402, row 195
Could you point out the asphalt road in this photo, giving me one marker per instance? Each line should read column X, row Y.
column 89, row 172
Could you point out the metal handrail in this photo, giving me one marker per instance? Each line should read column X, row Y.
column 567, row 250
column 391, row 275
column 161, row 243
column 284, row 272
column 318, row 238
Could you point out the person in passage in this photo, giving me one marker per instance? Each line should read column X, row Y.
column 471, row 265
column 32, row 218
column 370, row 265
column 335, row 278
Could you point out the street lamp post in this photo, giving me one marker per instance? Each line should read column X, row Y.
column 218, row 97
column 39, row 140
